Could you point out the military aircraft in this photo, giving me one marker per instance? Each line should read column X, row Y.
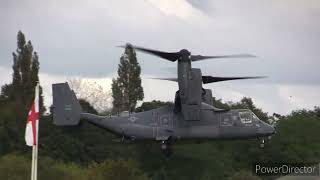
column 191, row 117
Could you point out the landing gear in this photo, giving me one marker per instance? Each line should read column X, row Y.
column 269, row 137
column 262, row 143
column 166, row 148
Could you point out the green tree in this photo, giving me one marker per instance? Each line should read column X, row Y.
column 127, row 89
column 114, row 170
column 244, row 175
column 117, row 102
column 219, row 104
column 146, row 106
column 14, row 167
column 16, row 97
column 16, row 77
column 25, row 76
column 87, row 107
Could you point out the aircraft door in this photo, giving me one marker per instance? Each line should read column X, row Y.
column 165, row 121
column 229, row 126
column 165, row 125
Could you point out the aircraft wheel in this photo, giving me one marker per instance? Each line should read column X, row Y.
column 166, row 149
column 164, row 145
column 262, row 143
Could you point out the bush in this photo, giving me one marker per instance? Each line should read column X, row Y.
column 244, row 175
column 18, row 167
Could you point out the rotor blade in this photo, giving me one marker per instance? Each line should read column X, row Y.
column 167, row 79
column 199, row 57
column 171, row 56
column 211, row 79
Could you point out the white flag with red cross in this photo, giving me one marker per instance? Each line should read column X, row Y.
column 31, row 134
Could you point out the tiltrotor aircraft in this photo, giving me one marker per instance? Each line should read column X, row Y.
column 192, row 116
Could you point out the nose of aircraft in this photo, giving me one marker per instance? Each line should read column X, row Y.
column 266, row 130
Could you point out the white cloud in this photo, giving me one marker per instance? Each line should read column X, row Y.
column 5, row 75
column 178, row 8
column 272, row 98
column 299, row 97
column 78, row 38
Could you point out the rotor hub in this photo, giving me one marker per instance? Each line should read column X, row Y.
column 184, row 52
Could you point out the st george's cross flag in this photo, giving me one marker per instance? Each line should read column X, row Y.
column 31, row 134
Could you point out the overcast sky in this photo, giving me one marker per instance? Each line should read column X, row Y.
column 78, row 38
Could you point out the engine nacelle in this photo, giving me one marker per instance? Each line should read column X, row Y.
column 191, row 108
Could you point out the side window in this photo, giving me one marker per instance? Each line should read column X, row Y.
column 234, row 118
column 246, row 117
column 255, row 118
column 226, row 120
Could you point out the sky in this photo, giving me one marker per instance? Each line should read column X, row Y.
column 78, row 39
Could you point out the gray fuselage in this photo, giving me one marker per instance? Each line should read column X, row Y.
column 163, row 123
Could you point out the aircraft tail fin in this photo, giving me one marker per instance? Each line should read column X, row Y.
column 66, row 108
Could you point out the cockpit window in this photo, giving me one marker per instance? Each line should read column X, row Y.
column 255, row 117
column 246, row 117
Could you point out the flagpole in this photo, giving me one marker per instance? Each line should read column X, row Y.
column 36, row 163
column 37, row 136
column 32, row 166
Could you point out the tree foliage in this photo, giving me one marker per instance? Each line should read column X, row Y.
column 245, row 103
column 16, row 97
column 126, row 88
column 87, row 107
column 146, row 106
column 17, row 167
column 25, row 75
column 244, row 175
column 92, row 93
